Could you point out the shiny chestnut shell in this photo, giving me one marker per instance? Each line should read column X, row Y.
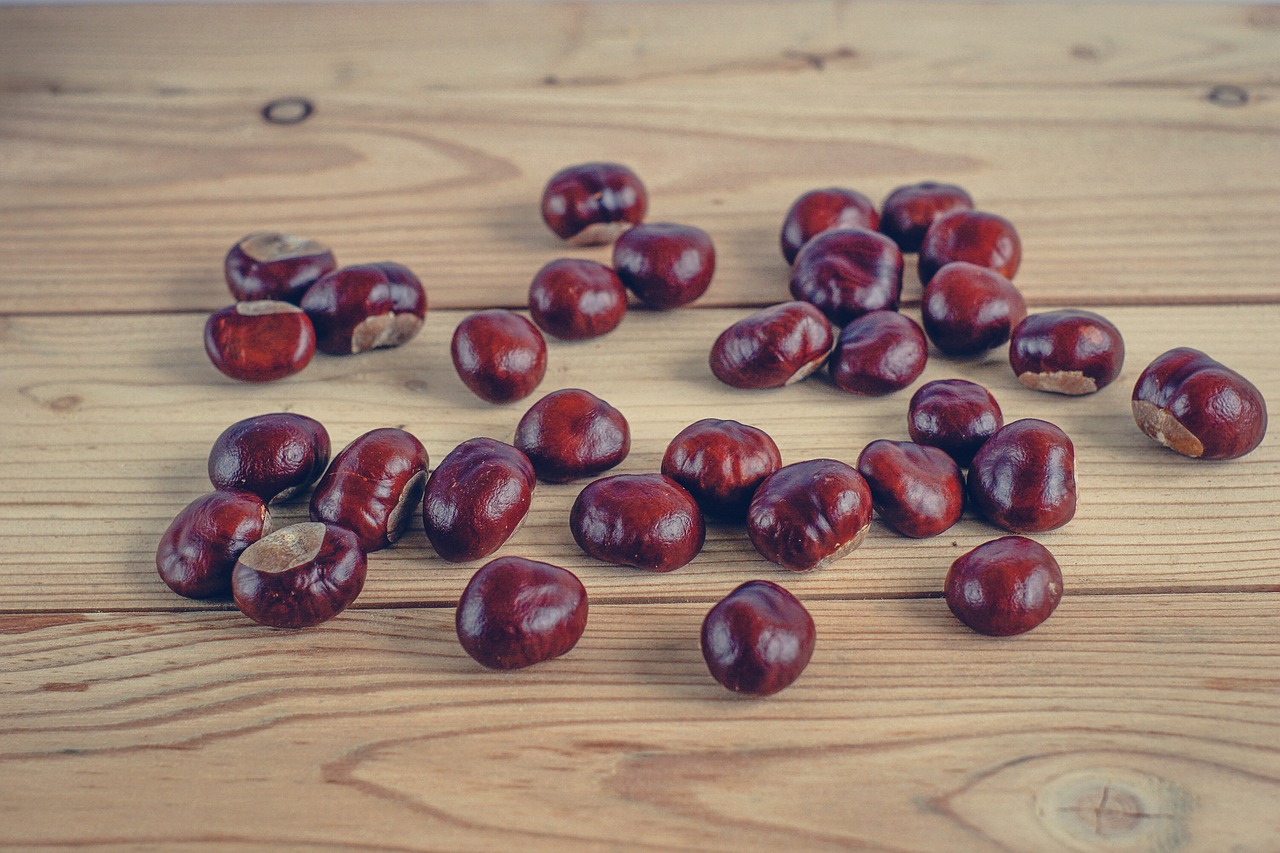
column 877, row 354
column 916, row 490
column 664, row 264
column 270, row 265
column 968, row 310
column 773, row 347
column 259, row 341
column 589, row 204
column 847, row 272
column 499, row 355
column 476, row 498
column 757, row 639
column 275, row 456
column 955, row 415
column 721, row 463
column 373, row 486
column 299, row 576
column 972, row 236
column 516, row 612
column 821, row 210
column 909, row 210
column 571, row 434
column 575, row 299
column 200, row 547
column 808, row 514
column 1066, row 352
column 359, row 308
column 1023, row 478
column 1004, row 587
column 643, row 520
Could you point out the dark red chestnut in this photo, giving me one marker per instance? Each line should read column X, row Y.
column 821, row 210
column 955, row 415
column 575, row 299
column 592, row 203
column 259, row 341
column 1024, row 477
column 267, row 265
column 909, row 210
column 721, row 463
column 1004, row 587
column 665, row 265
column 499, row 355
column 355, row 309
column 373, row 486
column 274, row 456
column 571, row 434
column 973, row 236
column 757, row 639
column 476, row 498
column 517, row 612
column 1066, row 352
column 773, row 347
column 198, row 551
column 808, row 514
column 917, row 490
column 299, row 576
column 644, row 520
column 968, row 310
column 877, row 354
column 847, row 272
column 1199, row 407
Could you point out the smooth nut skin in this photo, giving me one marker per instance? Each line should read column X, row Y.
column 274, row 456
column 643, row 520
column 1024, row 478
column 821, row 210
column 773, row 347
column 955, row 415
column 259, row 341
column 665, row 265
column 909, row 210
column 721, row 463
column 917, row 490
column 476, row 498
column 592, row 203
column 1066, row 352
column 808, row 514
column 299, row 576
column 757, row 639
column 973, row 236
column 356, row 309
column 268, row 265
column 1004, row 587
column 517, row 612
column 198, row 551
column 968, row 310
column 848, row 272
column 571, row 434
column 1199, row 407
column 499, row 355
column 574, row 299
column 877, row 354
column 372, row 487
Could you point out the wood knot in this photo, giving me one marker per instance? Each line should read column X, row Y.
column 291, row 110
column 1114, row 809
column 65, row 403
column 1226, row 95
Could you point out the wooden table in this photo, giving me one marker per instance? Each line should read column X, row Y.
column 1137, row 149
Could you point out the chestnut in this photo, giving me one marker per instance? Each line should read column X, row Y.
column 665, row 265
column 592, row 203
column 259, row 341
column 499, row 355
column 476, row 498
column 1004, row 587
column 517, row 612
column 973, row 236
column 372, row 485
column 821, row 210
column 198, row 551
column 274, row 456
column 909, row 210
column 848, row 272
column 773, row 347
column 918, row 491
column 644, row 520
column 1066, row 352
column 575, row 299
column 359, row 308
column 721, row 463
column 268, row 265
column 877, row 354
column 299, row 576
column 757, row 639
column 808, row 514
column 955, row 415
column 968, row 310
column 570, row 434
column 1024, row 477
column 1199, row 407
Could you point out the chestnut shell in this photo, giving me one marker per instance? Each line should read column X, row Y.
column 575, row 299
column 643, row 520
column 275, row 456
column 808, row 514
column 721, row 463
column 476, row 499
column 1004, row 587
column 1023, row 478
column 757, row 639
column 259, row 341
column 516, row 612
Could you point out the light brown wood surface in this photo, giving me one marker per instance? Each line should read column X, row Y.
column 1134, row 146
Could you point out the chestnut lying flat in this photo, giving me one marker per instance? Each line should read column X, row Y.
column 359, row 308
column 299, row 576
column 590, row 204
column 499, row 355
column 664, row 264
column 1023, row 478
column 517, row 612
column 848, row 272
column 721, row 463
column 821, row 210
column 968, row 310
column 773, row 347
column 643, row 520
column 954, row 415
column 575, row 299
column 1066, row 352
column 909, row 210
column 917, row 491
column 199, row 549
column 972, row 236
column 476, row 498
column 757, row 639
column 808, row 514
column 1004, row 587
column 877, row 354
column 373, row 487
column 269, row 265
column 275, row 456
column 570, row 434
column 259, row 341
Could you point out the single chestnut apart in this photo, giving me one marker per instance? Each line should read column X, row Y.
column 499, row 355
column 1066, row 352
column 821, row 210
column 575, row 299
column 359, row 308
column 570, row 434
column 917, row 490
column 968, row 310
column 1004, row 587
column 909, row 210
column 664, row 264
column 972, row 236
column 200, row 548
column 643, row 520
column 955, row 415
column 877, row 354
column 299, row 576
column 773, row 347
column 721, row 463
column 1023, row 478
column 848, row 272
column 517, row 612
column 808, row 514
column 590, row 204
column 757, row 639
column 259, row 341
column 275, row 456
column 373, row 487
column 269, row 265
column 476, row 498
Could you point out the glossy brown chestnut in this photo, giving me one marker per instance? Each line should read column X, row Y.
column 955, row 415
column 665, row 265
column 571, row 434
column 721, row 463
column 808, row 514
column 773, row 347
column 592, row 203
column 373, row 487
column 909, row 210
column 517, row 612
column 968, row 310
column 1004, row 587
column 1199, row 407
column 821, row 210
column 1024, row 477
column 476, row 498
column 574, row 299
column 355, row 309
column 972, row 236
column 499, row 355
column 299, row 576
column 274, row 456
column 1066, row 352
column 757, row 639
column 267, row 265
column 198, row 551
column 917, row 490
column 847, row 272
column 259, row 341
column 877, row 354
column 644, row 520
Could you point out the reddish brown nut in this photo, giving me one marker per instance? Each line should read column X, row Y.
column 499, row 355
column 968, row 310
column 571, row 434
column 373, row 486
column 909, row 210
column 274, row 456
column 575, row 299
column 198, row 551
column 517, row 612
column 644, row 520
column 757, row 639
column 665, row 265
column 267, row 265
column 848, row 272
column 721, row 463
column 773, row 347
column 821, row 210
column 808, row 514
column 877, row 354
column 955, row 415
column 974, row 237
column 355, row 309
column 592, row 203
column 299, row 576
column 259, row 341
column 1199, row 407
column 1024, row 477
column 1066, row 352
column 1004, row 587
column 476, row 498
column 917, row 490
